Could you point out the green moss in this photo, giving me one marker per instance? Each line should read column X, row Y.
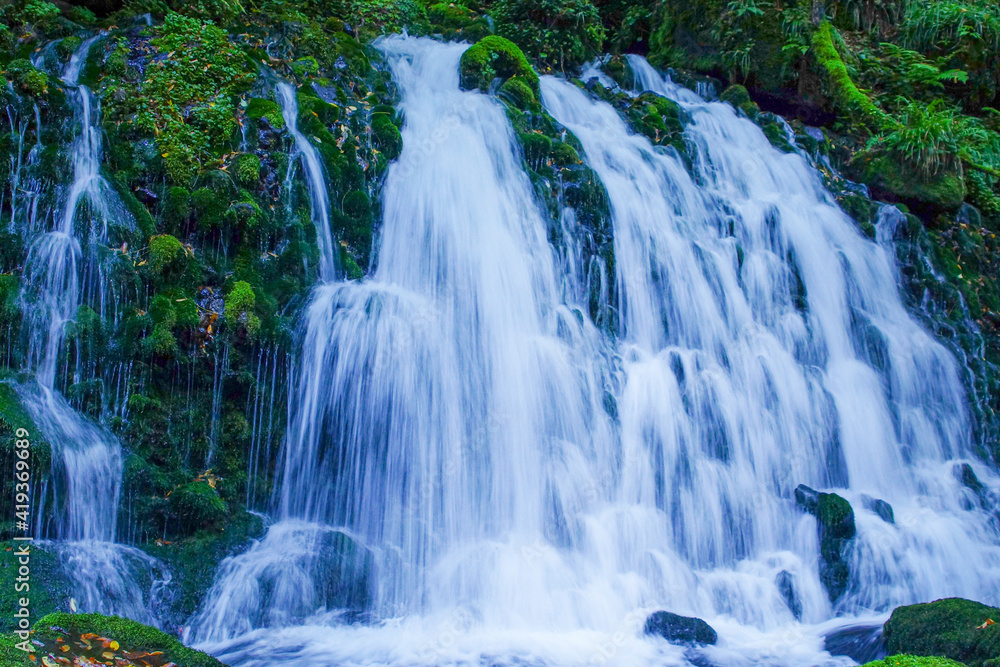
column 357, row 205
column 132, row 636
column 305, row 67
column 197, row 505
column 849, row 98
column 386, row 136
column 67, row 46
column 25, row 77
column 258, row 108
column 945, row 190
column 738, row 96
column 240, row 303
column 913, row 661
column 161, row 341
column 947, row 628
column 47, row 598
column 536, row 147
column 519, row 93
column 495, row 57
column 164, row 250
column 564, row 155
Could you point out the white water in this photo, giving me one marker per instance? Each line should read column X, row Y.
column 454, row 491
column 64, row 271
column 318, row 196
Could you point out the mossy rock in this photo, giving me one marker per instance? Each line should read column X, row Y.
column 197, row 505
column 835, row 521
column 945, row 190
column 194, row 560
column 519, row 94
column 950, row 628
column 258, row 108
column 386, row 136
column 739, row 97
column 129, row 636
column 913, row 661
column 494, row 57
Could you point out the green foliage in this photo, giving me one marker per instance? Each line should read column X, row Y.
column 188, row 98
column 39, row 11
column 377, row 17
column 25, row 77
column 948, row 628
column 495, row 57
column 562, row 33
column 129, row 634
column 457, row 21
column 67, row 46
column 221, row 12
column 735, row 30
column 913, row 661
column 386, row 136
column 247, row 168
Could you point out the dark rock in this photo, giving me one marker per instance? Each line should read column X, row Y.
column 683, row 629
column 807, row 498
column 835, row 517
column 951, row 628
column 861, row 643
column 880, row 507
column 785, row 582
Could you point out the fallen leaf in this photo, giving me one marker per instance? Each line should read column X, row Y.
column 987, row 623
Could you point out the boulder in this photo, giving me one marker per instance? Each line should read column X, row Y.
column 880, row 507
column 952, row 628
column 681, row 629
column 835, row 519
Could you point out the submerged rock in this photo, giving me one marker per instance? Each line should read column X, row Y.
column 952, row 628
column 880, row 507
column 684, row 629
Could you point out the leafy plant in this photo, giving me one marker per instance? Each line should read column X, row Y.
column 561, row 33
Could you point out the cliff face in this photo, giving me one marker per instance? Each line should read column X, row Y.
column 182, row 347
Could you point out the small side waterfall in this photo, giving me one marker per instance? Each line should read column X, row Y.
column 475, row 474
column 313, row 170
column 64, row 271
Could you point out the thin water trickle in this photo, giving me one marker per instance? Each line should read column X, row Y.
column 63, row 272
column 315, row 179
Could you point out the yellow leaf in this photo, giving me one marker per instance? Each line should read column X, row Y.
column 114, row 645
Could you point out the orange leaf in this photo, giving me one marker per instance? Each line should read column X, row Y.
column 987, row 623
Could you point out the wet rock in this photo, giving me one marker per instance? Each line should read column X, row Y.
column 835, row 518
column 880, row 507
column 683, row 629
column 785, row 581
column 861, row 643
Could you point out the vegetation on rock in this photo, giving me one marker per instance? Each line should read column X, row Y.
column 953, row 628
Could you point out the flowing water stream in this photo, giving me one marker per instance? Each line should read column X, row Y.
column 63, row 272
column 476, row 474
column 454, row 488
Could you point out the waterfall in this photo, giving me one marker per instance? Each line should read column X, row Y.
column 64, row 271
column 455, row 487
column 315, row 179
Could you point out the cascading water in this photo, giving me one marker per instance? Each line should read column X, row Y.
column 318, row 196
column 64, row 271
column 453, row 488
